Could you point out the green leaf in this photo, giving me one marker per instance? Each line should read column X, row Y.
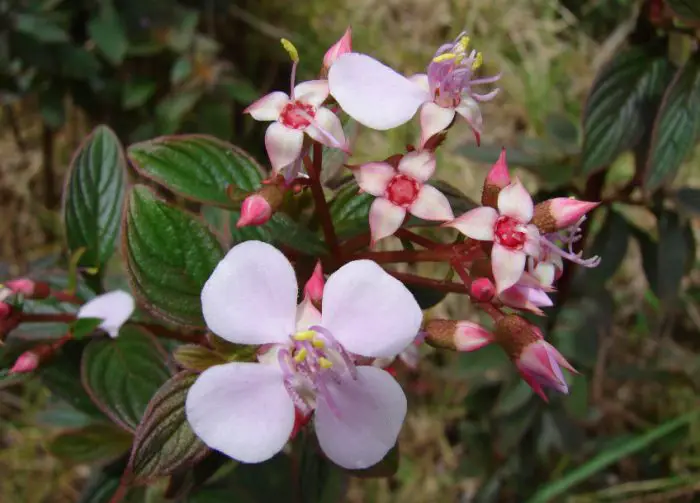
column 170, row 254
column 137, row 92
column 164, row 440
column 173, row 108
column 677, row 126
column 122, row 374
column 512, row 397
column 564, row 485
column 104, row 483
column 92, row 200
column 621, row 101
column 84, row 326
column 320, row 481
column 181, row 69
column 688, row 199
column 488, row 154
column 280, row 230
column 197, row 358
column 52, row 107
column 93, row 443
column 688, row 10
column 109, row 35
column 350, row 211
column 196, row 166
column 611, row 245
column 41, row 27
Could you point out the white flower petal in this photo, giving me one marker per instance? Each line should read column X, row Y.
column 384, row 218
column 433, row 119
column 283, row 145
column 372, row 93
column 514, row 201
column 374, row 177
column 431, row 204
column 477, row 223
column 508, row 265
column 307, row 315
column 421, row 80
column 114, row 308
column 418, row 165
column 313, row 92
column 545, row 272
column 469, row 109
column 365, row 421
column 330, row 124
column 251, row 297
column 242, row 410
column 368, row 311
column 269, row 107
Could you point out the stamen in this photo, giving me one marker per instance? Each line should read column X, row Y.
column 318, row 343
column 294, row 54
column 340, row 349
column 325, row 362
column 301, row 355
column 573, row 257
column 444, row 57
column 304, row 336
column 478, row 61
column 334, row 142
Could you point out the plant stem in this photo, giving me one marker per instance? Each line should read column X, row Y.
column 321, row 204
column 443, row 286
column 418, row 239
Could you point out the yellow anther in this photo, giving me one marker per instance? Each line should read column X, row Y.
column 444, row 57
column 478, row 61
column 463, row 43
column 325, row 363
column 291, row 50
column 304, row 336
column 318, row 343
column 301, row 355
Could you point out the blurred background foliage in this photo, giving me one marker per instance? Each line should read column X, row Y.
column 475, row 432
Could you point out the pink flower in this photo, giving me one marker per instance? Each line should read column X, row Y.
column 313, row 289
column 527, row 294
column 514, row 238
column 247, row 410
column 539, row 365
column 548, row 268
column 114, row 308
column 464, row 336
column 26, row 362
column 378, row 97
column 401, row 190
column 342, row 46
column 255, row 210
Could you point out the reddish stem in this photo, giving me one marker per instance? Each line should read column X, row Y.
column 443, row 286
column 356, row 243
column 418, row 239
column 46, row 318
column 487, row 307
column 320, row 202
column 67, row 297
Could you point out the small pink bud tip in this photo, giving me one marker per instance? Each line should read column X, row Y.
column 482, row 290
column 5, row 310
column 27, row 362
column 342, row 46
column 313, row 289
column 255, row 210
column 29, row 288
column 498, row 174
column 462, row 336
column 559, row 213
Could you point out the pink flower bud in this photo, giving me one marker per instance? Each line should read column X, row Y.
column 27, row 362
column 342, row 46
column 313, row 290
column 5, row 310
column 255, row 210
column 456, row 335
column 560, row 213
column 497, row 179
column 482, row 290
column 29, row 288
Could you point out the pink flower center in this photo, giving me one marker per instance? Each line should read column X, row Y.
column 402, row 190
column 447, row 99
column 295, row 115
column 509, row 233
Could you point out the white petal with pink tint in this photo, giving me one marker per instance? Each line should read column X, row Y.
column 368, row 311
column 251, row 297
column 421, row 80
column 113, row 308
column 514, row 201
column 242, row 410
column 433, row 119
column 374, row 177
column 329, row 122
column 366, row 419
column 477, row 223
column 545, row 273
column 384, row 218
column 469, row 109
column 431, row 204
column 532, row 240
column 418, row 165
column 313, row 92
column 307, row 315
column 508, row 265
column 372, row 93
column 269, row 107
column 539, row 297
column 283, row 145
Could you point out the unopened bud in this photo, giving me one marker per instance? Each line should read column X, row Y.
column 313, row 289
column 482, row 290
column 513, row 333
column 342, row 46
column 29, row 288
column 27, row 362
column 258, row 208
column 559, row 213
column 461, row 336
column 497, row 178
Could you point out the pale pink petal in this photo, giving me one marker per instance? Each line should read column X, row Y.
column 514, row 201
column 431, row 204
column 418, row 165
column 532, row 241
column 471, row 336
column 541, row 364
column 539, row 297
column 330, row 124
column 251, row 297
column 477, row 223
column 508, row 265
column 410, row 356
column 307, row 315
column 283, row 145
column 342, row 46
column 242, row 410
column 368, row 311
column 113, row 308
column 374, row 177
column 269, row 107
column 421, row 80
column 372, row 93
column 469, row 109
column 363, row 422
column 545, row 273
column 313, row 92
column 433, row 119
column 384, row 218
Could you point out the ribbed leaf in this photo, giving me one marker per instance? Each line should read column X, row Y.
column 280, row 230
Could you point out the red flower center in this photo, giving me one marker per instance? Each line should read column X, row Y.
column 294, row 115
column 508, row 233
column 402, row 190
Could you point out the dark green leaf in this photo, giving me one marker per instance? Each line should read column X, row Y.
column 164, row 440
column 137, row 92
column 512, row 397
column 489, row 154
column 122, row 374
column 350, row 211
column 580, row 325
column 425, row 296
column 611, row 245
column 170, row 254
column 181, row 69
column 561, row 129
column 688, row 199
column 52, row 107
column 196, row 166
column 677, row 126
column 320, row 481
column 688, row 10
column 104, row 483
column 84, row 326
column 41, row 27
column 197, row 358
column 109, row 35
column 622, row 99
column 92, row 201
column 93, row 443
column 173, row 109
column 280, row 230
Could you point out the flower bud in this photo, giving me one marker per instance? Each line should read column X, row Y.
column 482, row 290
column 257, row 208
column 313, row 290
column 462, row 336
column 525, row 297
column 27, row 362
column 559, row 213
column 29, row 288
column 342, row 46
column 497, row 178
column 5, row 310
